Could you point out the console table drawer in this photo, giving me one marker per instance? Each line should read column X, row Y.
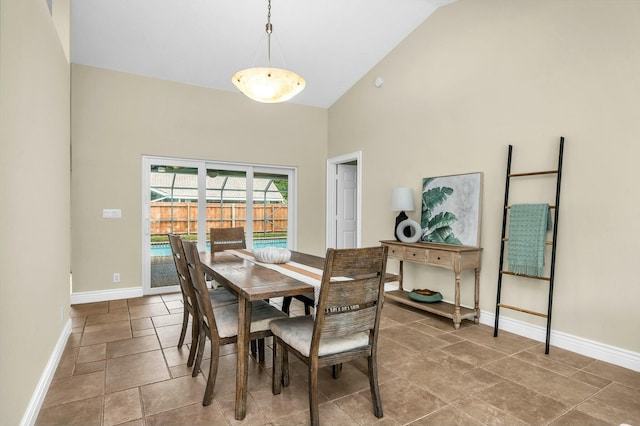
column 443, row 258
column 415, row 255
column 396, row 252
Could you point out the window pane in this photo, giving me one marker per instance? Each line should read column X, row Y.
column 270, row 210
column 173, row 209
column 226, row 199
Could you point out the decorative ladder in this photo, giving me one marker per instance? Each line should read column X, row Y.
column 552, row 243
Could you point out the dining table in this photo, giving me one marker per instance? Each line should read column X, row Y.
column 251, row 281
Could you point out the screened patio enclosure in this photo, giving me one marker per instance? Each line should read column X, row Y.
column 182, row 200
column 174, row 196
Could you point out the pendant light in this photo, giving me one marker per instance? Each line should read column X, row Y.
column 267, row 84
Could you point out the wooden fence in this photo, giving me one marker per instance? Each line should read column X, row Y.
column 182, row 218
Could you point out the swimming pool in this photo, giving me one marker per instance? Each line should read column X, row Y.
column 165, row 249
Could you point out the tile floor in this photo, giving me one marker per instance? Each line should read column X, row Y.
column 121, row 366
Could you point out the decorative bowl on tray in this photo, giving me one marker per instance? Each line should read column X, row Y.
column 425, row 295
column 272, row 255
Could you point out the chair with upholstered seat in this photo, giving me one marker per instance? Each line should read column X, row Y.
column 219, row 296
column 222, row 239
column 307, row 299
column 227, row 239
column 220, row 325
column 346, row 323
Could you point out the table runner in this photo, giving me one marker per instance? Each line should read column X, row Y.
column 306, row 274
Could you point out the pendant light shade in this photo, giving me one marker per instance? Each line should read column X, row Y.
column 268, row 84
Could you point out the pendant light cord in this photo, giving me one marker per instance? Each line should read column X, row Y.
column 269, row 29
column 266, row 84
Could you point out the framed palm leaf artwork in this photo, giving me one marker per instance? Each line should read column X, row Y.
column 451, row 209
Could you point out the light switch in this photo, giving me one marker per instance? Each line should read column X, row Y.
column 111, row 213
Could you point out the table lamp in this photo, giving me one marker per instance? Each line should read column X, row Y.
column 401, row 200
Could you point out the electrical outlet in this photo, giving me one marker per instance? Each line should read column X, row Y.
column 116, row 277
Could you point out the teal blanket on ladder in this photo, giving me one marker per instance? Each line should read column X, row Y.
column 528, row 225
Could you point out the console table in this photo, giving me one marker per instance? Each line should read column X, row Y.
column 452, row 257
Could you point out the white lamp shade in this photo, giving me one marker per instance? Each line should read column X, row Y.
column 402, row 199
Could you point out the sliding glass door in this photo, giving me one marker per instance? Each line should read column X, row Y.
column 189, row 197
column 270, row 209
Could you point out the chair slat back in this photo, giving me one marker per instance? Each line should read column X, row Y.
column 200, row 287
column 350, row 293
column 177, row 251
column 226, row 239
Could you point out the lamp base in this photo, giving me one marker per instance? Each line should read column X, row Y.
column 401, row 216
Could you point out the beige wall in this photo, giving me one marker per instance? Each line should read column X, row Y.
column 61, row 12
column 475, row 77
column 119, row 117
column 34, row 218
column 479, row 75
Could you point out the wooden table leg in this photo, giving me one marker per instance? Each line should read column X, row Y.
column 456, row 312
column 242, row 369
column 476, row 297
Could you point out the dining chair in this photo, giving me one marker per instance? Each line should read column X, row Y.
column 219, row 297
column 227, row 239
column 222, row 239
column 308, row 299
column 234, row 238
column 220, row 324
column 345, row 327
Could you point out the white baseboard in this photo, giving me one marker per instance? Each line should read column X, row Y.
column 31, row 414
column 105, row 295
column 617, row 356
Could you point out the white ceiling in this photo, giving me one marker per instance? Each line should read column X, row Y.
column 330, row 43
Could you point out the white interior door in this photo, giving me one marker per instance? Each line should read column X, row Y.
column 347, row 216
column 346, row 206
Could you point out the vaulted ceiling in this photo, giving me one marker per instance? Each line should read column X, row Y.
column 330, row 43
